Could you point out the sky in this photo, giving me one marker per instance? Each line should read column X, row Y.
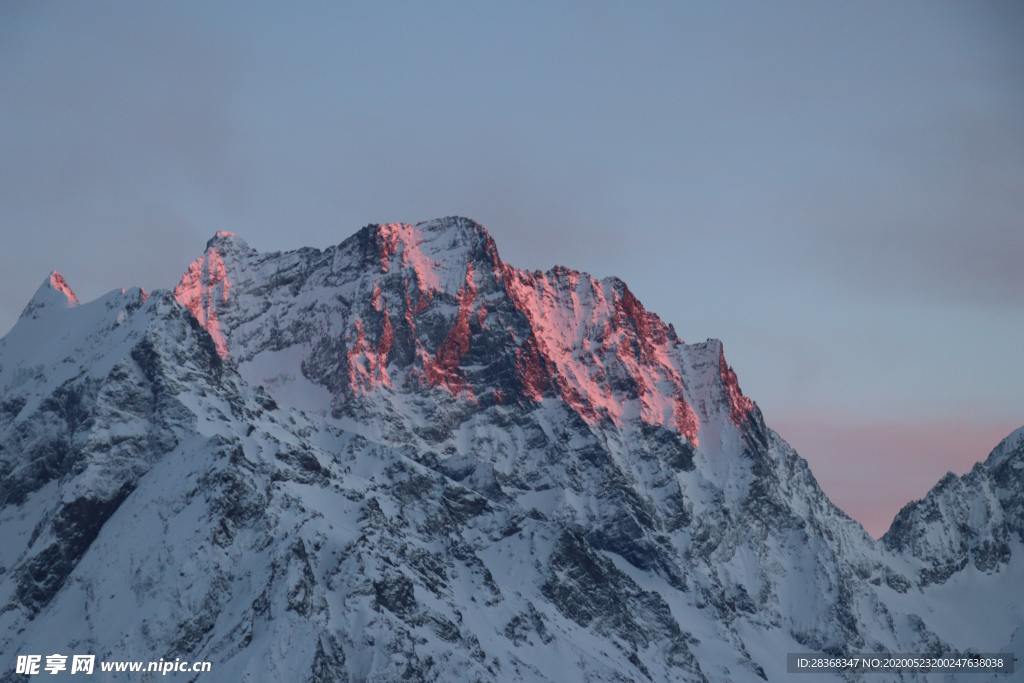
column 835, row 190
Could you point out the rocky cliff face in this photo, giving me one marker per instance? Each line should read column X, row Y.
column 401, row 458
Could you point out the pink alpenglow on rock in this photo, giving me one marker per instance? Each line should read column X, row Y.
column 436, row 299
column 443, row 369
column 201, row 287
column 739, row 405
column 368, row 362
column 587, row 330
column 61, row 285
column 404, row 240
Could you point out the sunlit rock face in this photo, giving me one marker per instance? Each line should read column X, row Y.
column 408, row 308
column 409, row 460
column 204, row 284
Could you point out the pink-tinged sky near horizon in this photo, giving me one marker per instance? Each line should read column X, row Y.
column 873, row 468
column 835, row 190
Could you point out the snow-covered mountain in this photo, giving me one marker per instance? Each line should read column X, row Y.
column 400, row 458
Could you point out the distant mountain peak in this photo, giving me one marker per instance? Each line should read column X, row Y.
column 226, row 240
column 1010, row 447
column 53, row 294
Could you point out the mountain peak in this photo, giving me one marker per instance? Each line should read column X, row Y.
column 226, row 240
column 1012, row 445
column 53, row 293
column 455, row 224
column 437, row 252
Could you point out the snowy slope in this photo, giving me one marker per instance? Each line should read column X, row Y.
column 400, row 458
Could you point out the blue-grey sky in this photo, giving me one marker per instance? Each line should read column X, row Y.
column 836, row 190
